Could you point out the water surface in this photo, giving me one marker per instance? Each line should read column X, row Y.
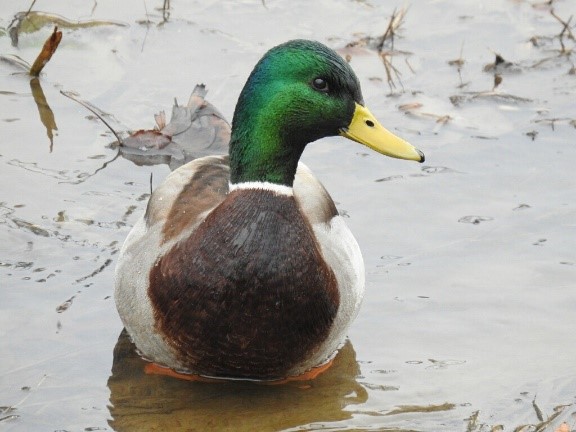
column 468, row 319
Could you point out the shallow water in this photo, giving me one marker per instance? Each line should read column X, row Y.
column 468, row 319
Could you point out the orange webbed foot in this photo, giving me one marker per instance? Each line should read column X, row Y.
column 155, row 369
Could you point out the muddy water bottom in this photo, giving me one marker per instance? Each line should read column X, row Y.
column 467, row 322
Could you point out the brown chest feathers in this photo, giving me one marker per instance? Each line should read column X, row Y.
column 248, row 295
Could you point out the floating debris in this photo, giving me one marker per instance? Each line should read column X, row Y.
column 32, row 21
column 9, row 417
column 472, row 420
column 437, row 170
column 379, row 387
column 147, row 139
column 475, row 220
column 521, row 207
column 64, row 306
column 552, row 121
column 33, row 228
column 497, row 81
column 459, row 62
column 443, row 364
column 196, row 129
column 501, row 65
column 487, row 95
column 414, row 109
column 403, row 409
column 389, row 178
column 95, row 272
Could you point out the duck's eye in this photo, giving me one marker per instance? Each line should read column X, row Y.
column 320, row 84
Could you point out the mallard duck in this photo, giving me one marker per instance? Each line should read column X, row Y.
column 241, row 266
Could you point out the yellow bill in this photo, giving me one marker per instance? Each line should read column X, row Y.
column 365, row 129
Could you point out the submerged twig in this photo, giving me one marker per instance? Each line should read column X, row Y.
column 166, row 10
column 16, row 61
column 13, row 408
column 552, row 121
column 564, row 35
column 565, row 30
column 31, row 6
column 384, row 47
column 94, row 110
column 96, row 171
column 392, row 73
column 565, row 24
column 391, row 70
column 147, row 22
column 459, row 63
column 396, row 20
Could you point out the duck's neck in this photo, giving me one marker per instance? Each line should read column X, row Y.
column 261, row 151
column 267, row 138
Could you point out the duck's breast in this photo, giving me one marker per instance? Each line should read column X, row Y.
column 248, row 295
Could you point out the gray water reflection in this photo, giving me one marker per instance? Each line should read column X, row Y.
column 141, row 402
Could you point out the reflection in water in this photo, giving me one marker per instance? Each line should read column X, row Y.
column 46, row 114
column 149, row 402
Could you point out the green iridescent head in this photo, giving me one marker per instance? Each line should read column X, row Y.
column 298, row 92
